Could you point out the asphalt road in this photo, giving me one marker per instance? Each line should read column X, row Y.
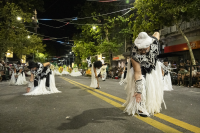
column 80, row 109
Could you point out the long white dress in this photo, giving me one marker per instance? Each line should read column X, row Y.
column 21, row 79
column 103, row 72
column 41, row 78
column 75, row 72
column 167, row 79
column 153, row 91
column 93, row 78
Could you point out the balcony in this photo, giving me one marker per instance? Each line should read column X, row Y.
column 184, row 26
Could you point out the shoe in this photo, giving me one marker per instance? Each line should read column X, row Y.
column 97, row 88
column 140, row 113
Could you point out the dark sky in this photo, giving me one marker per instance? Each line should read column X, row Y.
column 58, row 9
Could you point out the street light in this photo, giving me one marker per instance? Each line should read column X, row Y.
column 28, row 37
column 94, row 27
column 19, row 18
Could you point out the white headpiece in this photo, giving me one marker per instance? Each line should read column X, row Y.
column 143, row 40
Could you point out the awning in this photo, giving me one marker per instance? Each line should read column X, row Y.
column 164, row 55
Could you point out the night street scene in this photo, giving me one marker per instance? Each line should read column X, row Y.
column 99, row 66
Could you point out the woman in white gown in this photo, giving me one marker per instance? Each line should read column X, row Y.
column 75, row 72
column 167, row 77
column 65, row 72
column 96, row 68
column 42, row 79
column 144, row 78
column 18, row 76
column 56, row 71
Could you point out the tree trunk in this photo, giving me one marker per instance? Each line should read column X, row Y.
column 125, row 44
column 189, row 47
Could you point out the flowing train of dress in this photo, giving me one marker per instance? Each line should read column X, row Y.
column 75, row 72
column 93, row 78
column 152, row 95
column 167, row 83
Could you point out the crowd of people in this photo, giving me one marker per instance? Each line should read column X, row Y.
column 181, row 73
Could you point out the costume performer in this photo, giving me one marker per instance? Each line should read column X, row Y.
column 18, row 76
column 124, row 73
column 144, row 80
column 167, row 77
column 75, row 72
column 56, row 71
column 103, row 72
column 65, row 72
column 42, row 80
column 96, row 67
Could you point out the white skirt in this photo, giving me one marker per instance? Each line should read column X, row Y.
column 13, row 79
column 41, row 89
column 167, row 83
column 75, row 74
column 104, row 75
column 93, row 78
column 64, row 72
column 21, row 80
column 56, row 72
column 152, row 95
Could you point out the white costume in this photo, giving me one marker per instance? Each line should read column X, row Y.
column 103, row 72
column 93, row 78
column 167, row 78
column 75, row 72
column 44, row 81
column 150, row 84
column 21, row 79
column 56, row 71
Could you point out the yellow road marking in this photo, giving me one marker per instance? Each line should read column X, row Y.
column 101, row 92
column 179, row 123
column 148, row 120
column 161, row 116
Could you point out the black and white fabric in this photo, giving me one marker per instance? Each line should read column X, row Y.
column 165, row 69
column 89, row 61
column 148, row 60
column 151, row 79
column 44, row 81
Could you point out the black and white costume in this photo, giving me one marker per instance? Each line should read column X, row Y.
column 44, row 81
column 150, row 85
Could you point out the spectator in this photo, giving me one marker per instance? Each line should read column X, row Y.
column 187, row 77
column 181, row 75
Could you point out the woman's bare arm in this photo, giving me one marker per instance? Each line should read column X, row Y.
column 137, row 70
column 157, row 35
column 46, row 64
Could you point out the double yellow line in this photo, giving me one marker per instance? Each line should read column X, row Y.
column 150, row 121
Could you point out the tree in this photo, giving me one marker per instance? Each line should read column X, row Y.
column 151, row 14
column 105, row 33
column 13, row 33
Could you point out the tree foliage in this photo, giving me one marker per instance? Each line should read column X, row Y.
column 13, row 33
column 104, row 33
column 152, row 14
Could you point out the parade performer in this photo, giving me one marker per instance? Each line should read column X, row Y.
column 64, row 72
column 42, row 80
column 124, row 73
column 167, row 77
column 56, row 71
column 144, row 79
column 18, row 75
column 75, row 72
column 103, row 72
column 89, row 61
column 95, row 72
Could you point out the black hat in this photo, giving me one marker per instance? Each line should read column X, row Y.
column 18, row 63
column 32, row 64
